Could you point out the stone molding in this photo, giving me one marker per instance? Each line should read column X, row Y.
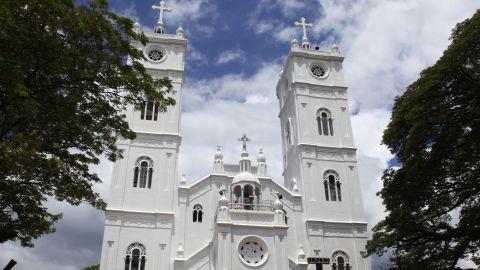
column 312, row 151
column 343, row 229
column 139, row 219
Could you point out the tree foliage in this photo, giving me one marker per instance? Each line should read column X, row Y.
column 433, row 198
column 92, row 267
column 64, row 83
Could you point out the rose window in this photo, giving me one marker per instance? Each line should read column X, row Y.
column 318, row 71
column 253, row 251
column 155, row 55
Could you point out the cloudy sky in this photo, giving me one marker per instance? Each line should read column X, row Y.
column 236, row 50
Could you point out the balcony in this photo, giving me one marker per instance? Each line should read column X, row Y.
column 251, row 205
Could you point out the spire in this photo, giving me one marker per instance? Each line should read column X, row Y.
column 159, row 29
column 302, row 23
column 245, row 163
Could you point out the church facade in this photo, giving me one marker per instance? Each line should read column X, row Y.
column 238, row 217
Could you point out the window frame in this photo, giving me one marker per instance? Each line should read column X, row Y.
column 197, row 213
column 332, row 186
column 142, row 176
column 141, row 257
column 325, row 122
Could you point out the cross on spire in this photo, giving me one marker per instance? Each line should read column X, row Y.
column 244, row 139
column 302, row 23
column 162, row 8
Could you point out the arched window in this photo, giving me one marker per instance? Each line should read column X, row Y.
column 340, row 261
column 324, row 122
column 288, row 133
column 332, row 186
column 149, row 111
column 142, row 175
column 197, row 213
column 135, row 258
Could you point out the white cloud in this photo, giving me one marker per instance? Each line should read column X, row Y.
column 129, row 12
column 194, row 55
column 368, row 126
column 263, row 26
column 285, row 33
column 191, row 10
column 218, row 111
column 188, row 13
column 387, row 43
column 230, row 55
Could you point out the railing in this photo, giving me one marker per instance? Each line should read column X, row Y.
column 252, row 205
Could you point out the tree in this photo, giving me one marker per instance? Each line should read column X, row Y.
column 92, row 267
column 433, row 198
column 65, row 82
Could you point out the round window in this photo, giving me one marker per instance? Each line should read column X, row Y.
column 318, row 71
column 253, row 251
column 155, row 55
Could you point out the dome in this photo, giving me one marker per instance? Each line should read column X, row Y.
column 245, row 177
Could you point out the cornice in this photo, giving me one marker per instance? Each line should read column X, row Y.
column 134, row 211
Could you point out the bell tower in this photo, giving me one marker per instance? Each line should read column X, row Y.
column 139, row 218
column 318, row 149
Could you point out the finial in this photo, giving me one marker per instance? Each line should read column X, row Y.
column 294, row 42
column 223, row 198
column 244, row 139
column 335, row 48
column 219, row 154
column 180, row 250
column 277, row 205
column 183, row 180
column 218, row 162
column 137, row 28
column 302, row 23
column 180, row 31
column 159, row 29
column 294, row 186
column 301, row 253
column 261, row 158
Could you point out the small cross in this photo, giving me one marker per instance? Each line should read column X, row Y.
column 304, row 26
column 162, row 8
column 244, row 141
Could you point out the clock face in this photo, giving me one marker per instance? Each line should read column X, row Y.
column 253, row 251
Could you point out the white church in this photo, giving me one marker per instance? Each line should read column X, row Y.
column 238, row 217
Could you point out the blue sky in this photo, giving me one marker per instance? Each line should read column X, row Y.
column 228, row 25
column 236, row 50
